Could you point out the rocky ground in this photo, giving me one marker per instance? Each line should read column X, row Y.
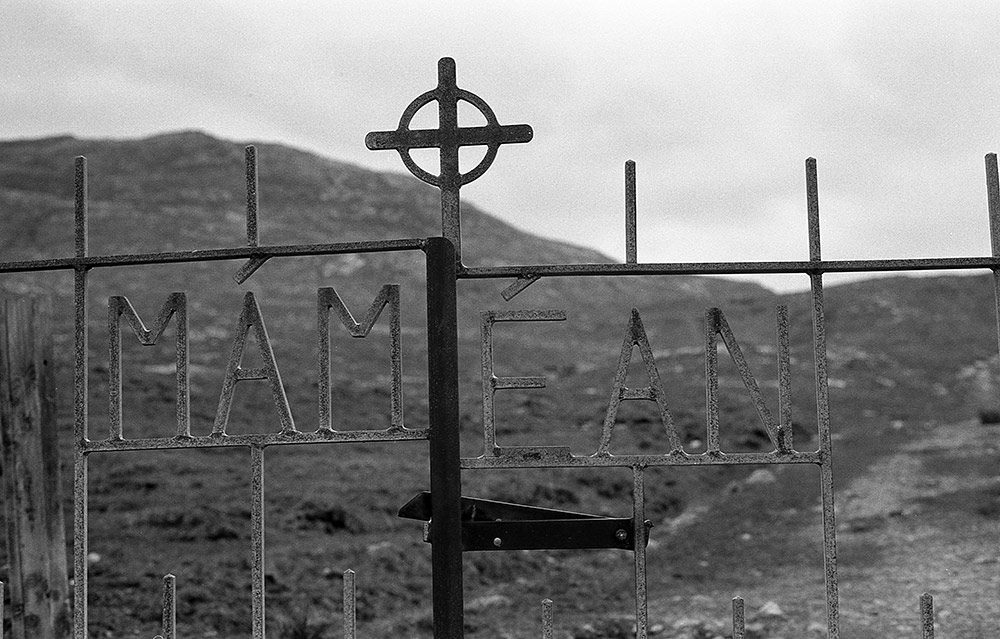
column 923, row 519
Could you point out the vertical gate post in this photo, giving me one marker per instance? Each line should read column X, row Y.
column 36, row 539
column 823, row 407
column 446, row 477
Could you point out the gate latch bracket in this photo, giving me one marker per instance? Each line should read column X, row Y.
column 498, row 525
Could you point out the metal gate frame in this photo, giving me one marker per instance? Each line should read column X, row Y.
column 444, row 268
column 448, row 138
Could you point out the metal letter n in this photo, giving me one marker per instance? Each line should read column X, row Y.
column 780, row 431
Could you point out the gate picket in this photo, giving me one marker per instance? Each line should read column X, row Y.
column 444, row 268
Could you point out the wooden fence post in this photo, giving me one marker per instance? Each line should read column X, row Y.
column 36, row 538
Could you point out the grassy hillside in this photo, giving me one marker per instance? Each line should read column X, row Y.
column 905, row 354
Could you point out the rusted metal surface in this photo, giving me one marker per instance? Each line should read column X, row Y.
column 257, row 541
column 522, row 282
column 210, row 255
column 739, row 618
column 547, row 623
column 253, row 201
column 640, row 529
column 80, row 204
column 176, row 304
column 81, row 407
column 449, row 137
column 444, row 267
column 823, row 409
column 730, row 268
column 993, row 202
column 812, row 209
column 785, row 442
column 169, row 620
column 927, row 616
column 635, row 336
column 561, row 457
column 518, row 271
column 329, row 300
column 492, row 383
column 253, row 233
column 780, row 433
column 350, row 606
column 631, row 251
column 251, row 318
column 226, row 440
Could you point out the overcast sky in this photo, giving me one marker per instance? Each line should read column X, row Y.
column 719, row 103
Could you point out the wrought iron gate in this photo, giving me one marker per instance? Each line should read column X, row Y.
column 501, row 526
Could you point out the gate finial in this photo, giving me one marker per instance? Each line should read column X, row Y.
column 448, row 138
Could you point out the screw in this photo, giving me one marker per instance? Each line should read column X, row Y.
column 621, row 534
column 497, row 542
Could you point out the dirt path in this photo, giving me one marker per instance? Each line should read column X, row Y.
column 929, row 517
column 925, row 518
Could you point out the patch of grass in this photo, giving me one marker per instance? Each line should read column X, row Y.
column 983, row 501
column 327, row 517
column 298, row 626
column 989, row 416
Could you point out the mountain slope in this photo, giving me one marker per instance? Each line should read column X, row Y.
column 185, row 191
column 904, row 354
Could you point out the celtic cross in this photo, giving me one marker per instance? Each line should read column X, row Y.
column 448, row 138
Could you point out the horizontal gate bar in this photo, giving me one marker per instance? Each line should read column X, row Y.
column 731, row 268
column 530, row 458
column 207, row 255
column 480, row 272
column 254, row 439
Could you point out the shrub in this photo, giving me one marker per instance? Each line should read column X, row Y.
column 989, row 416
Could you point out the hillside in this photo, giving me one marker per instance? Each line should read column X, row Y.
column 905, row 355
column 185, row 191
